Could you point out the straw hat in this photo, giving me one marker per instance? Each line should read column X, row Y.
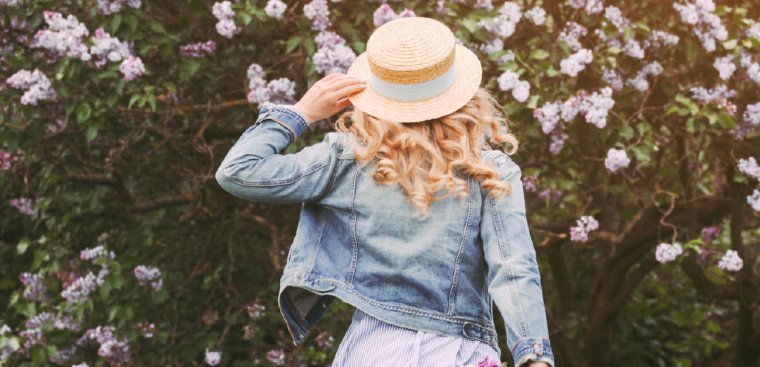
column 415, row 71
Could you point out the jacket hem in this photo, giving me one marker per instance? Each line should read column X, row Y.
column 304, row 297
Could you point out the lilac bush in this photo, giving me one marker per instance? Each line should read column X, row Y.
column 639, row 125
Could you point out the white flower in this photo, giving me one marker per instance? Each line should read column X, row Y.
column 725, row 66
column 584, row 225
column 227, row 28
column 537, row 15
column 37, row 86
column 213, row 357
column 749, row 167
column 633, row 49
column 576, row 62
column 505, row 23
column 596, row 106
column 752, row 114
column 521, row 92
column 616, row 159
column 666, row 252
column 132, row 67
column 275, row 8
column 731, row 261
column 223, row 10
column 754, row 200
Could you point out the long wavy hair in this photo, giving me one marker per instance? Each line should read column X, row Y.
column 427, row 157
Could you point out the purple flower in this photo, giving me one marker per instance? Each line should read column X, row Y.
column 213, row 357
column 34, row 289
column 6, row 160
column 318, row 13
column 275, row 9
column 666, row 252
column 37, row 86
column 731, row 261
column 325, row 340
column 576, row 62
column 616, row 159
column 199, row 49
column 709, row 233
column 149, row 275
column 332, row 55
column 63, row 37
column 106, row 48
column 276, row 356
column 25, row 206
column 132, row 67
column 108, row 7
column 584, row 225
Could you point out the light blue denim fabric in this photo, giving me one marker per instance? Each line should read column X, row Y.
column 363, row 243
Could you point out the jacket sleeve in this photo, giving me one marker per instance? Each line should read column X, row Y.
column 254, row 169
column 513, row 278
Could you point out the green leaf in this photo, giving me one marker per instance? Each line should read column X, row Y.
column 730, row 44
column 22, row 245
column 539, row 54
column 132, row 100
column 533, row 101
column 115, row 23
column 626, row 131
column 310, row 46
column 471, row 25
column 83, row 112
column 293, row 42
column 247, row 18
column 92, row 132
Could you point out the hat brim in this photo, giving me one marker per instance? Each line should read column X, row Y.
column 468, row 78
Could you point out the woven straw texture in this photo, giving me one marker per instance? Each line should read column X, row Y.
column 415, row 50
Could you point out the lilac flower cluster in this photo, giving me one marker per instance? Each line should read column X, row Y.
column 108, row 7
column 7, row 159
column 384, row 14
column 199, row 49
column 25, row 206
column 275, row 9
column 754, row 200
column 666, row 252
column 37, row 87
column 325, row 340
column 226, row 25
column 34, row 289
column 280, row 90
column 149, row 275
column 709, row 234
column 749, row 167
column 752, row 114
column 584, row 225
column 115, row 351
column 504, row 24
column 537, row 15
column 706, row 25
column 132, row 67
column 318, row 13
column 640, row 82
column 731, row 261
column 332, row 55
column 529, row 183
column 725, row 66
column 616, row 159
column 594, row 107
column 255, row 310
column 276, row 356
column 80, row 290
column 590, row 6
column 106, row 48
column 613, row 79
column 571, row 35
column 63, row 37
column 658, row 39
column 615, row 16
column 720, row 95
column 97, row 252
column 8, row 3
column 753, row 68
column 509, row 80
column 633, row 49
column 212, row 357
column 576, row 62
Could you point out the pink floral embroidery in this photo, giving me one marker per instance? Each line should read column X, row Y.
column 487, row 362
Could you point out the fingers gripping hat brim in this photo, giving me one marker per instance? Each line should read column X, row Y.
column 469, row 74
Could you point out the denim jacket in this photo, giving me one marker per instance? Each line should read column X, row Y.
column 363, row 243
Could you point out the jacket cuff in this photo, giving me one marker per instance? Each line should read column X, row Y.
column 285, row 116
column 529, row 350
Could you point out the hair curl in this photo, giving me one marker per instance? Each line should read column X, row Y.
column 428, row 156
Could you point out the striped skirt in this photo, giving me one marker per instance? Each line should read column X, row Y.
column 372, row 342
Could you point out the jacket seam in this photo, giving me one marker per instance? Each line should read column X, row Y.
column 498, row 223
column 308, row 171
column 455, row 280
column 354, row 219
column 319, row 242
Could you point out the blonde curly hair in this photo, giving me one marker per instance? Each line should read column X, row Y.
column 425, row 157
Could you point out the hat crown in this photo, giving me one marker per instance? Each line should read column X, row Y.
column 411, row 50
